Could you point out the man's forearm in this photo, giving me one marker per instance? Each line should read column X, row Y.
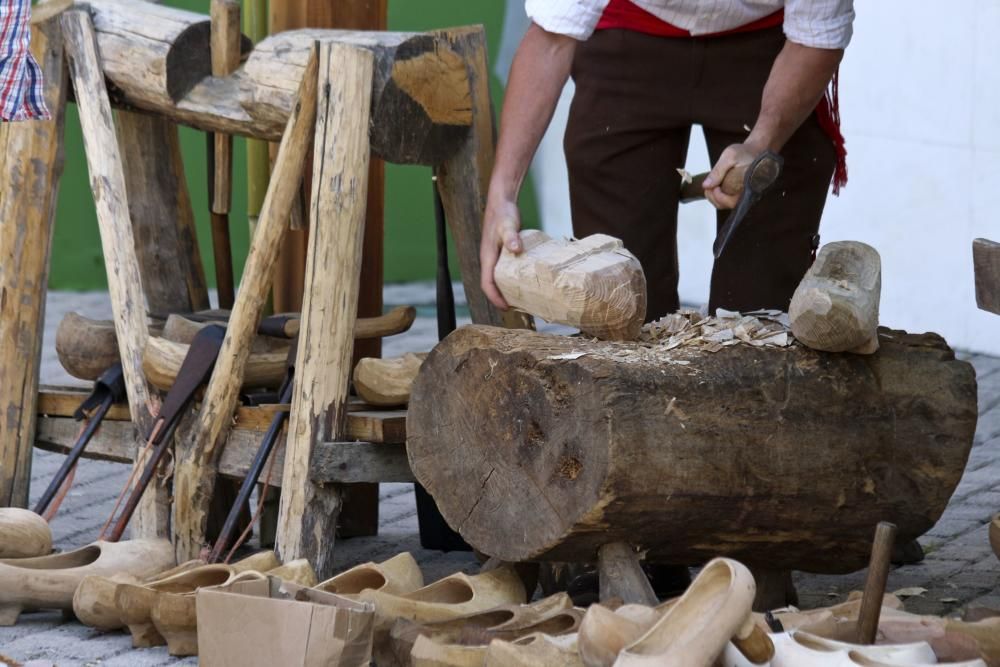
column 537, row 76
column 798, row 78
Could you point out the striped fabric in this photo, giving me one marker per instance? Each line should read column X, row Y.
column 21, row 94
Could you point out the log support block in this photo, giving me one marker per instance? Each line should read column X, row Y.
column 621, row 575
column 541, row 447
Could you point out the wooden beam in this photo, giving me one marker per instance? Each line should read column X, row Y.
column 107, row 180
column 986, row 260
column 463, row 178
column 334, row 462
column 166, row 242
column 31, row 162
column 199, row 445
column 333, row 268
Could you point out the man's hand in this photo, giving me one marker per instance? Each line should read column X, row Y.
column 737, row 155
column 500, row 230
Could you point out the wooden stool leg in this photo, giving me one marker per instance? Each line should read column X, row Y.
column 622, row 576
column 308, row 518
column 463, row 180
column 31, row 160
column 107, row 180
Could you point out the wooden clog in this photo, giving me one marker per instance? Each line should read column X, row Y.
column 297, row 571
column 135, row 602
column 427, row 652
column 175, row 617
column 455, row 595
column 864, row 661
column 94, row 599
column 23, row 534
column 262, row 561
column 397, row 576
column 535, row 650
column 553, row 615
column 49, row 582
column 696, row 629
column 604, row 633
column 792, row 649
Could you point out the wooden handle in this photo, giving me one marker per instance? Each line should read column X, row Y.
column 225, row 42
column 878, row 573
column 732, row 184
column 396, row 321
column 754, row 643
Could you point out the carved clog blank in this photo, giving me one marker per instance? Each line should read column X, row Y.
column 49, row 582
column 535, row 650
column 453, row 596
column 397, row 576
column 695, row 630
column 604, row 633
column 94, row 599
column 23, row 534
column 297, row 572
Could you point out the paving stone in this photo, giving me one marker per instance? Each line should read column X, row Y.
column 947, row 528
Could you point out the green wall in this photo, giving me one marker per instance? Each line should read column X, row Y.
column 409, row 213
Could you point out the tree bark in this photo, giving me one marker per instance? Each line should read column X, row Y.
column 31, row 163
column 783, row 458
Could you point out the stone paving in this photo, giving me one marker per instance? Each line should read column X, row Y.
column 959, row 570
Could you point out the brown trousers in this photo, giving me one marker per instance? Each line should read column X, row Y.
column 637, row 97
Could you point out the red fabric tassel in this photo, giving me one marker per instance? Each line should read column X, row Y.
column 828, row 115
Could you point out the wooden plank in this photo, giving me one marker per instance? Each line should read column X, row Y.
column 166, row 244
column 334, row 462
column 199, row 445
column 308, row 512
column 463, row 178
column 363, row 422
column 360, row 462
column 107, row 180
column 31, row 162
column 986, row 260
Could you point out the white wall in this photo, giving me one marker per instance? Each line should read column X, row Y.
column 920, row 102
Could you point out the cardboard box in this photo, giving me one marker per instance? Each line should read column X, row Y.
column 272, row 622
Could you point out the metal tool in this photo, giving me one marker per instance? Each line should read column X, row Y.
column 257, row 467
column 759, row 177
column 108, row 390
column 750, row 183
column 195, row 371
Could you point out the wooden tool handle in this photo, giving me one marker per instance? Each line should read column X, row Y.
column 396, row 321
column 878, row 573
column 732, row 184
column 755, row 644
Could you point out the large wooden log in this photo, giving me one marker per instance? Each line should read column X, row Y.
column 158, row 59
column 546, row 447
column 31, row 162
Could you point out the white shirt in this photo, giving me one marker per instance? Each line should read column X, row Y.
column 822, row 24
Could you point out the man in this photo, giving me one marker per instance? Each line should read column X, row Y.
column 752, row 73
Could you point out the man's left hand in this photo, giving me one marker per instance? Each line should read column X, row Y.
column 736, row 155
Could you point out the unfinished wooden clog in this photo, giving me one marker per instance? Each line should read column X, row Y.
column 604, row 633
column 175, row 615
column 695, row 630
column 49, row 582
column 23, row 534
column 397, row 576
column 535, row 650
column 427, row 652
column 951, row 639
column 297, row 571
column 456, row 595
column 262, row 561
column 553, row 615
column 94, row 599
column 387, row 382
column 792, row 649
column 135, row 602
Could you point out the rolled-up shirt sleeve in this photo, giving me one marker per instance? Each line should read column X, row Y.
column 821, row 24
column 573, row 18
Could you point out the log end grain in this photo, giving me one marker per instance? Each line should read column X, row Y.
column 540, row 447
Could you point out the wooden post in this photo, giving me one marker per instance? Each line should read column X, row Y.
column 107, row 180
column 162, row 219
column 308, row 514
column 878, row 574
column 622, row 576
column 201, row 442
column 359, row 515
column 463, row 179
column 31, row 162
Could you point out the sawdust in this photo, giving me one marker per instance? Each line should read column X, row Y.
column 688, row 333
